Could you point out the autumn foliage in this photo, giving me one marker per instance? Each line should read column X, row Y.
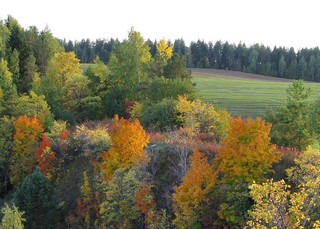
column 66, row 64
column 194, row 190
column 146, row 203
column 144, row 200
column 165, row 51
column 28, row 133
column 27, row 130
column 127, row 150
column 88, row 204
column 246, row 154
column 45, row 157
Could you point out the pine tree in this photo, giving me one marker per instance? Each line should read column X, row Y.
column 6, row 145
column 35, row 198
column 9, row 90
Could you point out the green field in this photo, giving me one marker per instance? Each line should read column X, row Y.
column 84, row 67
column 244, row 97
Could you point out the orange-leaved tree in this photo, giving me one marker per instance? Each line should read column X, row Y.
column 27, row 135
column 246, row 153
column 127, row 150
column 146, row 203
column 192, row 195
column 46, row 158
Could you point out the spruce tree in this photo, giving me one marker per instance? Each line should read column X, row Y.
column 35, row 198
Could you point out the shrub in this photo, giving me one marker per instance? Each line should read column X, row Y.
column 160, row 116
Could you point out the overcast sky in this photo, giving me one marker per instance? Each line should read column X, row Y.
column 286, row 23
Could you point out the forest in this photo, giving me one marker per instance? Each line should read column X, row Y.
column 126, row 142
column 259, row 59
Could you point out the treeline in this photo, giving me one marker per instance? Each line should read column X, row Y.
column 86, row 50
column 259, row 59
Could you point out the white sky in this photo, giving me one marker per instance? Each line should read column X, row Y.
column 286, row 23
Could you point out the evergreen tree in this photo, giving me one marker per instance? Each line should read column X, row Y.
column 45, row 48
column 15, row 40
column 227, row 56
column 317, row 68
column 6, row 145
column 217, row 51
column 282, row 66
column 312, row 68
column 264, row 64
column 22, row 41
column 35, row 198
column 302, row 68
column 153, row 47
column 13, row 65
column 180, row 47
column 68, row 46
column 290, row 123
column 253, row 59
column 9, row 90
column 29, row 71
column 291, row 71
column 4, row 35
column 176, row 68
column 199, row 52
column 240, row 56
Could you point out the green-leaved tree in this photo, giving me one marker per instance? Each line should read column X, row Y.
column 290, row 123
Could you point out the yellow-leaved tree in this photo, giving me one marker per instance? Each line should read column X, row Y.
column 88, row 204
column 191, row 196
column 64, row 64
column 62, row 67
column 164, row 51
column 202, row 117
column 246, row 153
column 276, row 207
column 127, row 150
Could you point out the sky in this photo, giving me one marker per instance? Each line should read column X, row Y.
column 283, row 23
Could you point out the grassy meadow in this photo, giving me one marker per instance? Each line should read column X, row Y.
column 244, row 96
column 84, row 67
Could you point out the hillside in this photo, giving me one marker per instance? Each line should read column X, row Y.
column 243, row 94
column 236, row 75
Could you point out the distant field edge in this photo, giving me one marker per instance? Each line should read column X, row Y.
column 236, row 75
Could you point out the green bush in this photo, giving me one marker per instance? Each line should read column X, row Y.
column 160, row 116
column 161, row 88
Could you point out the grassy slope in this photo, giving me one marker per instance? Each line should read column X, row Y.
column 84, row 67
column 242, row 96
